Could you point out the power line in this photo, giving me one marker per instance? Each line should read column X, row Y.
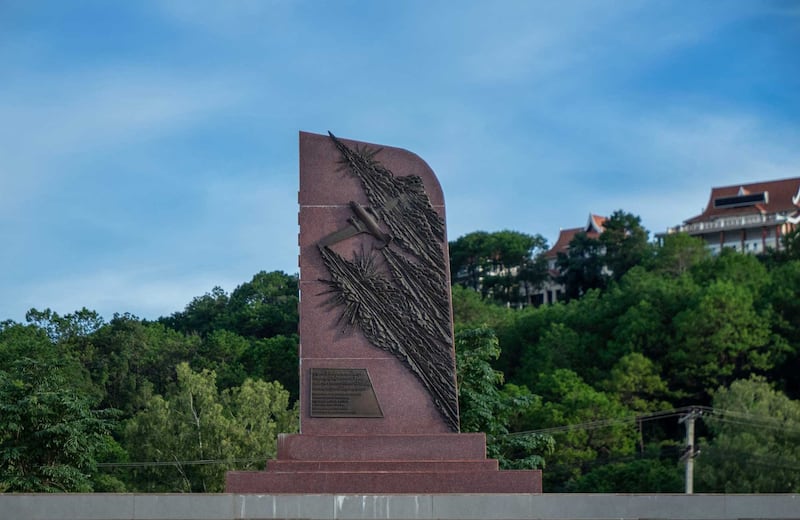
column 722, row 415
column 602, row 423
column 203, row 462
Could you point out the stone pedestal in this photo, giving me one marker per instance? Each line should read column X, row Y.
column 379, row 412
column 382, row 464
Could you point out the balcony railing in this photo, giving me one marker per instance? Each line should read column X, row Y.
column 722, row 224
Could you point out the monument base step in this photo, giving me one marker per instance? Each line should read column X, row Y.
column 380, row 464
column 441, row 446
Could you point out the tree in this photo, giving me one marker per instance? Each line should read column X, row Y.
column 504, row 265
column 202, row 315
column 568, row 400
column 679, row 253
column 471, row 311
column 557, row 347
column 644, row 305
column 486, row 406
column 195, row 434
column 645, row 475
column 50, row 437
column 264, row 307
column 755, row 446
column 789, row 251
column 131, row 359
column 745, row 271
column 782, row 294
column 275, row 359
column 637, row 384
column 720, row 338
column 517, row 266
column 469, row 257
column 260, row 411
column 523, row 356
column 62, row 329
column 581, row 268
column 222, row 352
column 624, row 241
column 791, row 244
column 34, row 342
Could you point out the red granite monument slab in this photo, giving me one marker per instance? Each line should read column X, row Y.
column 379, row 408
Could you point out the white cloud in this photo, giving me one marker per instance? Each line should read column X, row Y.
column 106, row 110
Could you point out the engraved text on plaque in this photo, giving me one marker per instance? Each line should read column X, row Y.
column 343, row 392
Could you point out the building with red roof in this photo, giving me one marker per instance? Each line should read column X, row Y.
column 749, row 218
column 551, row 291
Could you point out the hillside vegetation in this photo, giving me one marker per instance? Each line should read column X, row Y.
column 590, row 389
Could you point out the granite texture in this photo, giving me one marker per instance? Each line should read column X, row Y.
column 326, row 189
column 446, row 446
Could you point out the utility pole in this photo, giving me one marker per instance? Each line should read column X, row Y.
column 689, row 453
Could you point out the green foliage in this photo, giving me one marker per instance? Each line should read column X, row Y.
column 643, row 306
column 506, row 266
column 50, row 438
column 472, row 311
column 756, row 442
column 69, row 327
column 679, row 253
column 130, row 364
column 469, row 257
column 719, row 338
column 582, row 267
column 744, row 271
column 275, row 359
column 557, row 347
column 592, row 263
column 198, row 433
column 647, row 475
column 568, row 400
column 130, row 358
column 222, row 352
column 523, row 357
column 625, row 243
column 264, row 307
column 637, row 384
column 486, row 406
column 646, row 327
column 784, row 305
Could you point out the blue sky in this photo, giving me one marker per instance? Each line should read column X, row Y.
column 148, row 150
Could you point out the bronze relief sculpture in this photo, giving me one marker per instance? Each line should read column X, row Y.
column 395, row 291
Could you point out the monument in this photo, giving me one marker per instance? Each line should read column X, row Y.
column 379, row 401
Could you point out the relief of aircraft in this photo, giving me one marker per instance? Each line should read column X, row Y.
column 363, row 221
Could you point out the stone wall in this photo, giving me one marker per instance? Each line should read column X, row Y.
column 407, row 507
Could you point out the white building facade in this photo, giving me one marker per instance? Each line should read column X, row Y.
column 749, row 218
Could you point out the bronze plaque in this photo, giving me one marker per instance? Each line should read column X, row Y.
column 343, row 392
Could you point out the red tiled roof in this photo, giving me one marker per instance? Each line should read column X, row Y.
column 779, row 200
column 598, row 223
column 565, row 236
